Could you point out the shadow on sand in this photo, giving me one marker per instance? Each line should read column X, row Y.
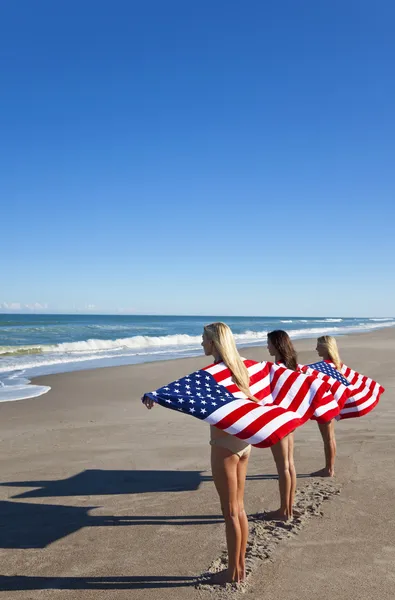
column 101, row 482
column 31, row 525
column 14, row 583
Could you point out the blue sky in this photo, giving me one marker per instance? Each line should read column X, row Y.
column 198, row 157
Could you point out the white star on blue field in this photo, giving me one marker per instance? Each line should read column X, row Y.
column 327, row 369
column 198, row 394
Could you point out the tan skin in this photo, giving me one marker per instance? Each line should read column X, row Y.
column 327, row 431
column 283, row 454
column 229, row 474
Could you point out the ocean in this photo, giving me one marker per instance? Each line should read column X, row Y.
column 37, row 344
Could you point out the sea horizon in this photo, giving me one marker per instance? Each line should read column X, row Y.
column 35, row 344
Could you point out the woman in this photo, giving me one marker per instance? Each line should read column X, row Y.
column 328, row 429
column 229, row 455
column 280, row 346
column 364, row 393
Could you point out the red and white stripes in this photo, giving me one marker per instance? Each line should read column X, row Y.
column 290, row 390
column 261, row 426
column 364, row 394
column 339, row 392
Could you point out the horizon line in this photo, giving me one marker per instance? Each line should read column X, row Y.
column 138, row 314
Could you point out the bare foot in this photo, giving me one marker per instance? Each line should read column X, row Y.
column 242, row 571
column 222, row 578
column 275, row 515
column 324, row 473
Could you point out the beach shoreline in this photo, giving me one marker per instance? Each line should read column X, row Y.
column 304, row 346
column 39, row 345
column 101, row 498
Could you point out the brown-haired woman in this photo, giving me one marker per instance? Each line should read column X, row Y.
column 280, row 346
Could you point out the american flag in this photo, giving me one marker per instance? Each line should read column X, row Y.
column 272, row 383
column 362, row 392
column 211, row 396
column 339, row 386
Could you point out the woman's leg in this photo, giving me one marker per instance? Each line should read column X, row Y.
column 328, row 435
column 281, row 457
column 241, row 479
column 292, row 472
column 224, row 466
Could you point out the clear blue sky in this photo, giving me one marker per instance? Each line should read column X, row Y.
column 198, row 157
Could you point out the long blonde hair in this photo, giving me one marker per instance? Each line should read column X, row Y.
column 221, row 336
column 331, row 347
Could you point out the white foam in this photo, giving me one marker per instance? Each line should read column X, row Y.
column 97, row 345
column 15, row 387
column 382, row 319
column 70, row 356
column 138, row 341
column 333, row 320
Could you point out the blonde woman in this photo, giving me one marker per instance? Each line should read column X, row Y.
column 364, row 394
column 229, row 455
column 327, row 349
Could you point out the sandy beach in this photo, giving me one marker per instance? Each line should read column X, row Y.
column 101, row 499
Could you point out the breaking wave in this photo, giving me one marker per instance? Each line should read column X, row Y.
column 42, row 359
column 169, row 343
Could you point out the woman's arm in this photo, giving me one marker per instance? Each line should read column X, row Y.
column 149, row 403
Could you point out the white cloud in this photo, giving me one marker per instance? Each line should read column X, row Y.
column 14, row 306
column 36, row 306
column 11, row 305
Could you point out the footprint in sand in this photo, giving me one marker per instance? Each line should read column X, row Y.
column 266, row 535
